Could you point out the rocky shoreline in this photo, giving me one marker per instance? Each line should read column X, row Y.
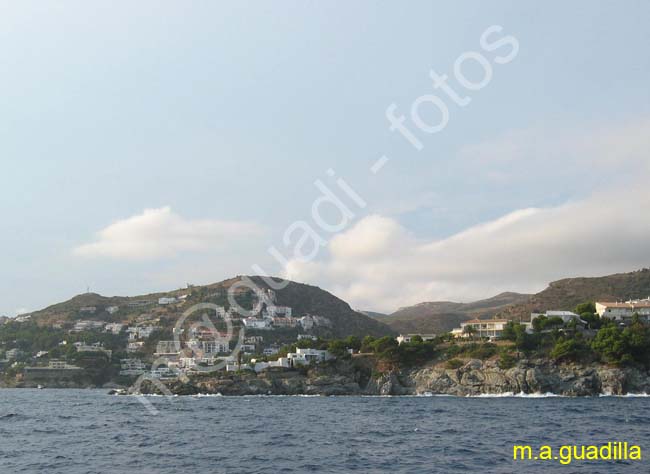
column 474, row 378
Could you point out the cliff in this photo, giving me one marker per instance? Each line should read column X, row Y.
column 474, row 378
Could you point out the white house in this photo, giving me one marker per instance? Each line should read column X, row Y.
column 566, row 316
column 624, row 311
column 166, row 301
column 307, row 356
column 114, row 328
column 254, row 323
column 490, row 328
column 409, row 337
column 212, row 347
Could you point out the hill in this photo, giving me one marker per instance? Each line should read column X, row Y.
column 341, row 320
column 443, row 316
column 566, row 294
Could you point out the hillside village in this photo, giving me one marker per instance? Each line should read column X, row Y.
column 114, row 342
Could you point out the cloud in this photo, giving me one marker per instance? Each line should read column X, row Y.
column 160, row 233
column 379, row 265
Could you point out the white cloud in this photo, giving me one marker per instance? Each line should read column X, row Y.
column 160, row 233
column 380, row 265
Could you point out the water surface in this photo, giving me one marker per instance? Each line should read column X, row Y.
column 87, row 431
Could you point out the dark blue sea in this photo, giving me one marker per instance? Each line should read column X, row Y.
column 88, row 431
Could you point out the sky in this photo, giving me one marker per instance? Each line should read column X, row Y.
column 147, row 145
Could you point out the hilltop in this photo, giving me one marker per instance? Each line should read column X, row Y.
column 341, row 320
column 443, row 316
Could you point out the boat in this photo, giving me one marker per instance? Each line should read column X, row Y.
column 40, row 387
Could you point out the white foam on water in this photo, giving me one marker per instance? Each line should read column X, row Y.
column 516, row 395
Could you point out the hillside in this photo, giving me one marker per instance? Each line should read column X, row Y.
column 564, row 294
column 443, row 316
column 303, row 299
column 567, row 293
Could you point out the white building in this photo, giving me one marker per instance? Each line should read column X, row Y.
column 13, row 354
column 624, row 311
column 566, row 316
column 112, row 309
column 214, row 347
column 269, row 351
column 81, row 326
column 166, row 301
column 254, row 323
column 248, row 348
column 114, row 328
column 490, row 328
column 307, row 356
column 307, row 336
column 94, row 347
column 134, row 346
column 307, row 322
column 60, row 365
column 164, row 348
column 163, row 373
column 409, row 337
column 276, row 312
column 132, row 367
column 285, row 322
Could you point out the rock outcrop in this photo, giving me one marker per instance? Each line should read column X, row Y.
column 476, row 377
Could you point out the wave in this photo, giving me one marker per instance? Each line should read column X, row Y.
column 627, row 395
column 516, row 395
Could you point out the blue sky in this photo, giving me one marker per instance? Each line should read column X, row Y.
column 219, row 116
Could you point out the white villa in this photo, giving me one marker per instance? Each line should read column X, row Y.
column 624, row 311
column 490, row 328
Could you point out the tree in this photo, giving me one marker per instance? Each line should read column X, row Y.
column 572, row 349
column 610, row 344
column 470, row 331
column 338, row 348
column 353, row 342
column 589, row 307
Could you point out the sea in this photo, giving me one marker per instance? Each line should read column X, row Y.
column 90, row 431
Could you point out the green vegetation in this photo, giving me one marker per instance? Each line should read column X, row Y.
column 604, row 340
